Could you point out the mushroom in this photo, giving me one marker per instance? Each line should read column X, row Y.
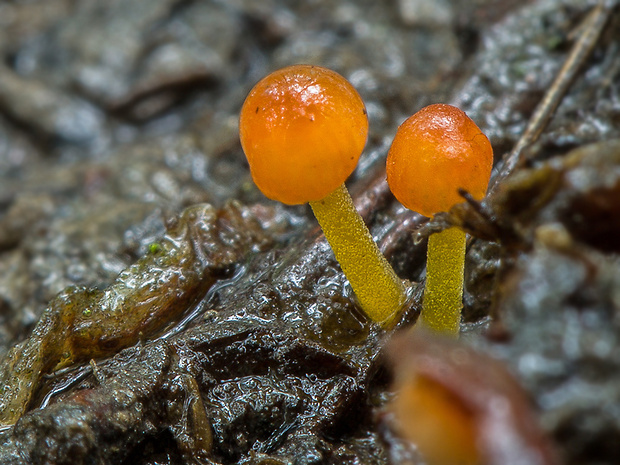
column 436, row 152
column 460, row 406
column 303, row 129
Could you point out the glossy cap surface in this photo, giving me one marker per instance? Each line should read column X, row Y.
column 434, row 153
column 303, row 129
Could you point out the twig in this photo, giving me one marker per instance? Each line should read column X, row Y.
column 591, row 30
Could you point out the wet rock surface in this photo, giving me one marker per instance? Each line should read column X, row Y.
column 117, row 118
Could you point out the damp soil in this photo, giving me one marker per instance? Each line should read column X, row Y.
column 155, row 308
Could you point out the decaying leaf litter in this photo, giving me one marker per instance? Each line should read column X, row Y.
column 278, row 338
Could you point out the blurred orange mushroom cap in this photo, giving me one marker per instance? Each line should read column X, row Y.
column 303, row 129
column 434, row 153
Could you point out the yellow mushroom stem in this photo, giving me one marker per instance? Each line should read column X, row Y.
column 443, row 293
column 379, row 290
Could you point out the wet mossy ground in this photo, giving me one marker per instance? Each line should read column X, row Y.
column 123, row 187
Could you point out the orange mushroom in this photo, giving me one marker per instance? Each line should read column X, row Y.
column 460, row 406
column 303, row 129
column 436, row 152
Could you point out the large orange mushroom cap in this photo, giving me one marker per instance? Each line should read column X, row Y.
column 303, row 129
column 435, row 152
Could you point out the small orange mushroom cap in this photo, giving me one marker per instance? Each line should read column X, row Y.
column 303, row 129
column 434, row 153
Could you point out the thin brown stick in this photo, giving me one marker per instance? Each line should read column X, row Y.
column 591, row 30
